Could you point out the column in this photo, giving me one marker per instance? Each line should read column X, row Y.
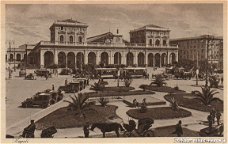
column 136, row 58
column 55, row 57
column 123, row 58
column 86, row 57
column 97, row 58
column 66, row 61
column 168, row 58
column 41, row 59
column 146, row 59
column 177, row 56
column 111, row 58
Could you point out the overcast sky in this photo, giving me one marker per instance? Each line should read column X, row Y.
column 30, row 23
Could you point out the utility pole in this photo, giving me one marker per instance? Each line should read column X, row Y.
column 207, row 50
column 197, row 68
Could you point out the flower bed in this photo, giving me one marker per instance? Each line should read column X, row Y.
column 118, row 89
column 187, row 100
column 64, row 118
column 163, row 89
column 159, row 113
column 112, row 93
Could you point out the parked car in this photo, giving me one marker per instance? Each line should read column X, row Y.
column 66, row 71
column 71, row 87
column 42, row 99
column 42, row 73
column 29, row 77
column 22, row 73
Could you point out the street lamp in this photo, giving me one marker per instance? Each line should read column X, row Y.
column 208, row 40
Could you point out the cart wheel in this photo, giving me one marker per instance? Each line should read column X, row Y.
column 127, row 134
column 148, row 133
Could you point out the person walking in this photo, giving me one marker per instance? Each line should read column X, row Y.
column 66, row 82
column 86, row 130
column 29, row 131
column 53, row 87
column 218, row 116
column 179, row 130
column 209, row 118
column 212, row 113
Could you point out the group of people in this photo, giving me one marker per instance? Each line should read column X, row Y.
column 211, row 118
column 136, row 104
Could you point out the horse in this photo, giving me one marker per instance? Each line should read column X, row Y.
column 107, row 127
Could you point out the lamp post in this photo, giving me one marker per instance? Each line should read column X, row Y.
column 197, row 68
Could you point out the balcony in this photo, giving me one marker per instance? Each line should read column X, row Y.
column 119, row 45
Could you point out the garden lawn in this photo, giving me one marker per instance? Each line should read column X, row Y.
column 165, row 89
column 118, row 89
column 64, row 118
column 159, row 113
column 187, row 100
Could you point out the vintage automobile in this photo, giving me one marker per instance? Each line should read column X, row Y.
column 42, row 73
column 65, row 71
column 71, row 87
column 29, row 77
column 22, row 73
column 43, row 99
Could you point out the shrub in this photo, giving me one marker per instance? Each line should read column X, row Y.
column 143, row 87
column 176, row 88
column 103, row 102
column 127, row 82
column 173, row 104
column 159, row 81
column 97, row 87
column 143, row 108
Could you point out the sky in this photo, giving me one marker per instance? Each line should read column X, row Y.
column 27, row 23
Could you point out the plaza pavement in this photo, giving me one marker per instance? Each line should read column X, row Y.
column 189, row 122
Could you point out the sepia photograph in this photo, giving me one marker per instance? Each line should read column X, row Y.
column 86, row 71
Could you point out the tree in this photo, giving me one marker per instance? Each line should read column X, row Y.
column 159, row 81
column 79, row 104
column 103, row 102
column 206, row 96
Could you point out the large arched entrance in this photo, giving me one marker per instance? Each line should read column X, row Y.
column 48, row 59
column 80, row 59
column 104, row 58
column 117, row 58
column 163, row 59
column 92, row 58
column 172, row 58
column 157, row 60
column 18, row 57
column 141, row 59
column 130, row 59
column 62, row 60
column 150, row 60
column 71, row 60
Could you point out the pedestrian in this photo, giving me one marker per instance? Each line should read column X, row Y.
column 209, row 118
column 218, row 115
column 221, row 129
column 179, row 130
column 29, row 131
column 212, row 113
column 222, row 80
column 66, row 82
column 46, row 76
column 144, row 102
column 86, row 130
column 53, row 87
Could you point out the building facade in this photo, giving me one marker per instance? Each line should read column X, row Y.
column 70, row 47
column 203, row 46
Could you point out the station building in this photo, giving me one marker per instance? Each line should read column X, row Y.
column 70, row 47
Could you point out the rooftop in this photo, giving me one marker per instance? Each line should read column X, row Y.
column 151, row 27
column 68, row 22
column 198, row 37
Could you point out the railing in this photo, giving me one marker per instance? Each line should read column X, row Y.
column 132, row 45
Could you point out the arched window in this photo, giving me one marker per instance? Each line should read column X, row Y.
column 11, row 57
column 164, row 43
column 71, row 39
column 18, row 57
column 150, row 42
column 157, row 42
column 80, row 39
column 61, row 39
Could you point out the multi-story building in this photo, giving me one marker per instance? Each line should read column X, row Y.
column 203, row 46
column 70, row 47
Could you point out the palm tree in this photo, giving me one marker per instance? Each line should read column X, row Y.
column 159, row 81
column 79, row 104
column 206, row 96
